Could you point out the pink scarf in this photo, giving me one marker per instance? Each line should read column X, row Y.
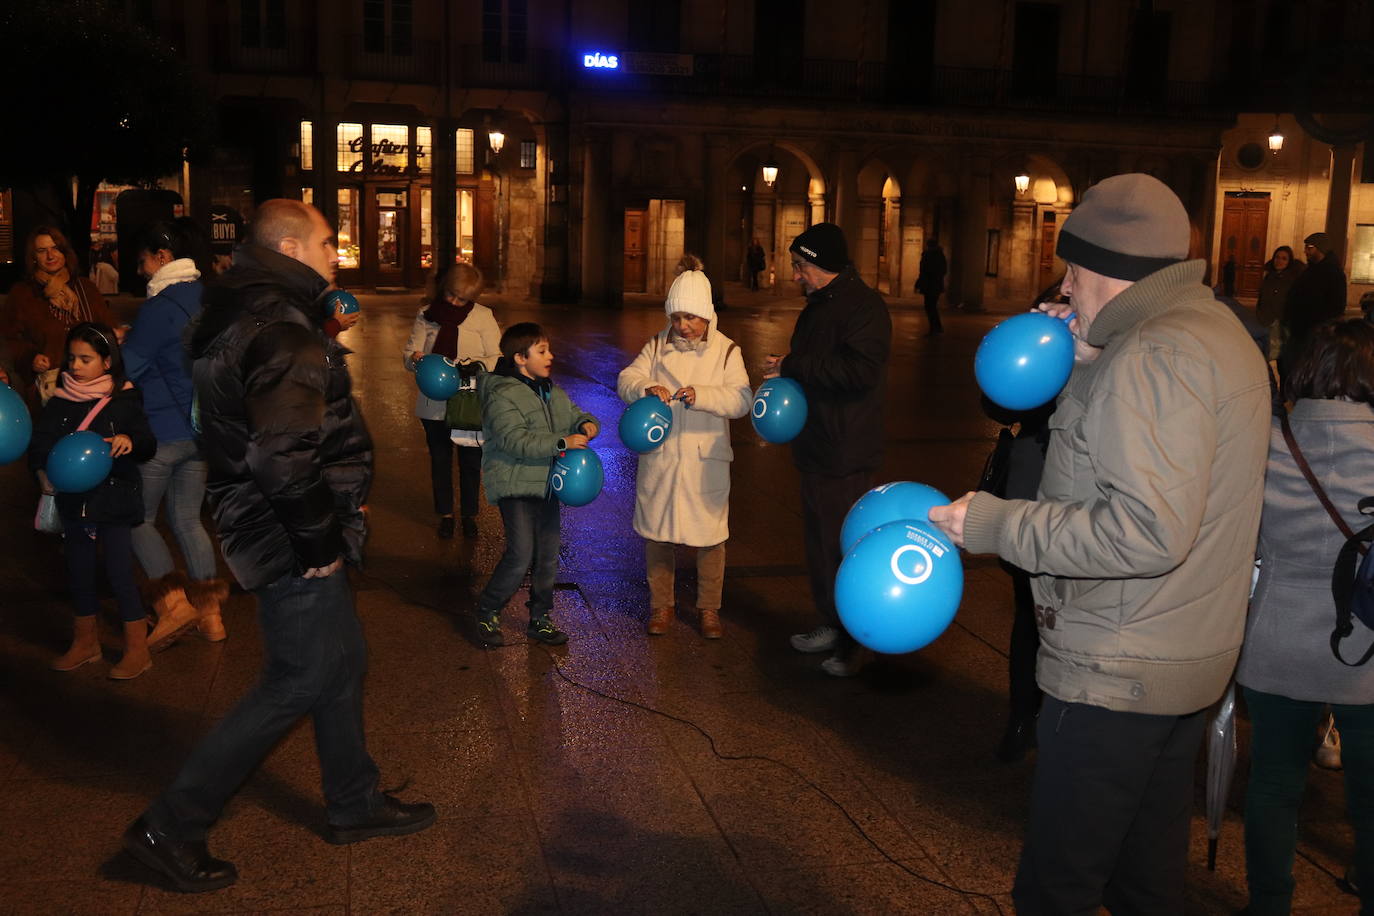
column 94, row 390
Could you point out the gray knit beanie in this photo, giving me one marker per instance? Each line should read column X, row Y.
column 1128, row 226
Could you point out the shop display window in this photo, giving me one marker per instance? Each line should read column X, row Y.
column 424, row 148
column 426, row 229
column 463, row 163
column 349, row 143
column 467, row 199
column 348, row 230
column 307, row 146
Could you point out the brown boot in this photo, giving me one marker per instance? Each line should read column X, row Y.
column 175, row 613
column 208, row 596
column 136, row 659
column 85, row 646
column 710, row 623
column 659, row 620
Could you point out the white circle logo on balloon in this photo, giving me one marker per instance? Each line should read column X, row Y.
column 656, row 433
column 760, row 408
column 924, row 565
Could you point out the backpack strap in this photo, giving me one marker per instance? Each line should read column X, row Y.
column 1343, row 578
column 1312, row 481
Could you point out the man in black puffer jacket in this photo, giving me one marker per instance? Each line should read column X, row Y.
column 290, row 466
column 839, row 356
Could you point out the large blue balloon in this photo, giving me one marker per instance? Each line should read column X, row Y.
column 1025, row 361
column 645, row 424
column 577, row 477
column 890, row 502
column 342, row 300
column 779, row 410
column 899, row 588
column 16, row 426
column 437, row 377
column 80, row 461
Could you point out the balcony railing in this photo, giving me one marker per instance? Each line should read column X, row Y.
column 291, row 52
column 366, row 61
column 536, row 71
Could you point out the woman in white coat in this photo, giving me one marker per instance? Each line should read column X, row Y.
column 682, row 491
column 453, row 324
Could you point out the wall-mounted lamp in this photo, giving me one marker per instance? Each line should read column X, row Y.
column 770, row 172
column 1275, row 138
column 1022, row 183
column 496, row 139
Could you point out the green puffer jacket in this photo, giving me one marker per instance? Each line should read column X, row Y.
column 522, row 432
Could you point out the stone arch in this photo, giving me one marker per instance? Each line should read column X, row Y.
column 1028, row 224
column 774, row 215
column 876, row 248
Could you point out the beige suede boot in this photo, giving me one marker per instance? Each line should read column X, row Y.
column 136, row 659
column 175, row 613
column 85, row 646
column 208, row 597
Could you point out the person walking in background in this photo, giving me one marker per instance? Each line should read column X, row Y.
column 155, row 358
column 682, row 488
column 756, row 261
column 290, row 469
column 1279, row 275
column 456, row 326
column 1288, row 671
column 94, row 391
column 52, row 298
column 1142, row 540
column 1317, row 295
column 839, row 354
column 930, row 283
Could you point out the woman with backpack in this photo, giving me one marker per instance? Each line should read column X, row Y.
column 1321, row 452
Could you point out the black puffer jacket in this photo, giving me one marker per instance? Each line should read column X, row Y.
column 119, row 499
column 290, row 457
column 839, row 356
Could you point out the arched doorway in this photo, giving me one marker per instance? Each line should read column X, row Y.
column 772, row 213
column 1025, row 262
column 877, row 252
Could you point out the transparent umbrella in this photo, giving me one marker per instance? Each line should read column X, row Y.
column 1221, row 767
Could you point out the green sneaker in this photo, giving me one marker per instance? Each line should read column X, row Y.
column 542, row 629
column 489, row 628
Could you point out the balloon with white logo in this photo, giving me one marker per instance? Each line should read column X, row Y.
column 901, row 499
column 779, row 411
column 577, row 477
column 437, row 377
column 899, row 588
column 645, row 424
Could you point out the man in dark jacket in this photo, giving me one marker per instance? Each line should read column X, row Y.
column 290, row 467
column 930, row 283
column 1317, row 295
column 839, row 356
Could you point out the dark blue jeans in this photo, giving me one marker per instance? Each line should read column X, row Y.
column 532, row 533
column 1283, row 733
column 314, row 665
column 83, row 559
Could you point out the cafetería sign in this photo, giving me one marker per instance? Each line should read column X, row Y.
column 383, row 157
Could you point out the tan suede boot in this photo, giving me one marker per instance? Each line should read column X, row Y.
column 175, row 613
column 85, row 646
column 660, row 619
column 136, row 659
column 710, row 623
column 208, row 596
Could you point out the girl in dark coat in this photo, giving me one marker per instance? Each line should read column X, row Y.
column 105, row 515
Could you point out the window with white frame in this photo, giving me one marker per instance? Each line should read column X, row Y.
column 1362, row 254
column 463, row 161
column 307, row 146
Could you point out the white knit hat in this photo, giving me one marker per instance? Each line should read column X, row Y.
column 691, row 293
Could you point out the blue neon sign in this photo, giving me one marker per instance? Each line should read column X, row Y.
column 598, row 61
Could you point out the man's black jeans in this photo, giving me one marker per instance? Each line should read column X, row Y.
column 315, row 660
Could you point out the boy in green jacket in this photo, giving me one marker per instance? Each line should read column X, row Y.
column 527, row 421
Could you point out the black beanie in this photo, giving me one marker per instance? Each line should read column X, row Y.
column 823, row 245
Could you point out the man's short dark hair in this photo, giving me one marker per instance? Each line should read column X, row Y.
column 279, row 219
column 1338, row 362
column 520, row 337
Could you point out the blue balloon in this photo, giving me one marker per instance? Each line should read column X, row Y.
column 437, row 377
column 890, row 502
column 341, row 299
column 1025, row 361
column 80, row 461
column 577, row 477
column 899, row 588
column 16, row 426
column 779, row 410
column 645, row 424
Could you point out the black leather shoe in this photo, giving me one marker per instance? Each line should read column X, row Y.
column 392, row 818
column 188, row 865
column 1017, row 739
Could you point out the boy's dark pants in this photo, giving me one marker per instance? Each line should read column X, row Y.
column 532, row 534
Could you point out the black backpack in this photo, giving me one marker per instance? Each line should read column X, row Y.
column 1352, row 585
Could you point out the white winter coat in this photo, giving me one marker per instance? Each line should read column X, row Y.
column 479, row 338
column 682, row 490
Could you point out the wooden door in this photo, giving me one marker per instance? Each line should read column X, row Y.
column 634, row 251
column 1244, row 230
column 1047, row 273
column 391, row 233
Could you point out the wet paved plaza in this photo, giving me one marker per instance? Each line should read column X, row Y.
column 617, row 774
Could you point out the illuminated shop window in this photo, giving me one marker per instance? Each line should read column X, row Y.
column 426, row 229
column 348, row 229
column 466, row 201
column 463, row 148
column 308, row 196
column 390, row 147
column 307, row 146
column 424, row 148
column 350, row 147
column 1362, row 260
